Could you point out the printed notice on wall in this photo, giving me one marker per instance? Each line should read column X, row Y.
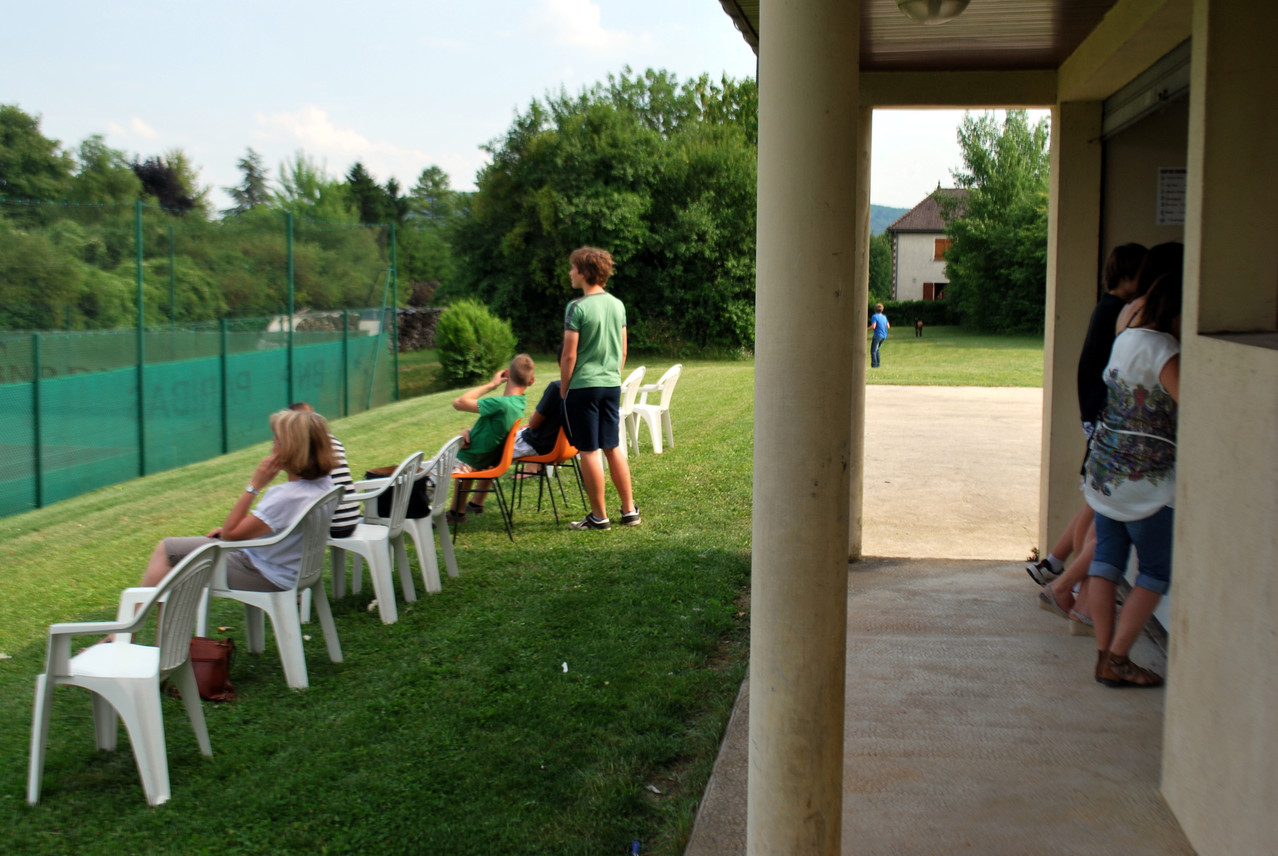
column 1171, row 196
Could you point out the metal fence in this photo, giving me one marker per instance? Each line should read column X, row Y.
column 79, row 411
column 85, row 403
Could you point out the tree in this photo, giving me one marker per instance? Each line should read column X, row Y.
column 254, row 190
column 306, row 190
column 366, row 196
column 997, row 265
column 103, row 174
column 432, row 197
column 32, row 166
column 173, row 182
column 661, row 174
column 881, row 266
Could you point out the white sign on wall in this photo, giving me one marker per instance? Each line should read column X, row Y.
column 1171, row 195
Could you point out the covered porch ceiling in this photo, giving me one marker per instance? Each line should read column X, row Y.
column 991, row 35
column 1015, row 52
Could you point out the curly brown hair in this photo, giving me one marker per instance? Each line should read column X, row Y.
column 594, row 264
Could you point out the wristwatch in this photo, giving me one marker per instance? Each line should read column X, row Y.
column 250, row 489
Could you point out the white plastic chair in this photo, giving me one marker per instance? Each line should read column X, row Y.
column 630, row 392
column 439, row 469
column 282, row 606
column 376, row 541
column 652, row 414
column 125, row 677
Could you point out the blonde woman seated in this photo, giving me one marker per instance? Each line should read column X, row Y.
column 303, row 450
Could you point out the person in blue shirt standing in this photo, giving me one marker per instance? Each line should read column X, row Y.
column 879, row 324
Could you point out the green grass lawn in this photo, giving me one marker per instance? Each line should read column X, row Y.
column 456, row 730
column 949, row 356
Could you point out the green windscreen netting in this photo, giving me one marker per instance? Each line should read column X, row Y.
column 240, row 317
column 77, row 413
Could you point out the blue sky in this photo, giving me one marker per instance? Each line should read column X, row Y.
column 398, row 85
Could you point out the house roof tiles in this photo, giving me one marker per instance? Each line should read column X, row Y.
column 926, row 216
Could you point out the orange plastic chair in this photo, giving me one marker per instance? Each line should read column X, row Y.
column 563, row 455
column 494, row 474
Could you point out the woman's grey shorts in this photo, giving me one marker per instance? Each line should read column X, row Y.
column 240, row 572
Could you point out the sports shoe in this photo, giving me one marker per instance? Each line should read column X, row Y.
column 591, row 522
column 630, row 518
column 1041, row 571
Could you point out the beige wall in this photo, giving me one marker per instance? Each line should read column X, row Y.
column 1132, row 160
column 915, row 265
column 1220, row 756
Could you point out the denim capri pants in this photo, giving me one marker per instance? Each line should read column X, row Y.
column 1152, row 537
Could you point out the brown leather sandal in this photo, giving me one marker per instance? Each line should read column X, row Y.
column 1118, row 671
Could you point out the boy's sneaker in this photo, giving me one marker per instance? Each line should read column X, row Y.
column 630, row 518
column 1041, row 572
column 591, row 522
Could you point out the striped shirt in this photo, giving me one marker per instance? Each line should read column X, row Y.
column 347, row 514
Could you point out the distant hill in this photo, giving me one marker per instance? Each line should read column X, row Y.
column 882, row 216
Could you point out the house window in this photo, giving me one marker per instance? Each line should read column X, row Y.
column 934, row 290
column 938, row 251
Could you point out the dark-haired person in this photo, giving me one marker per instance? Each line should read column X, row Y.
column 303, row 450
column 590, row 366
column 1131, row 479
column 1057, row 581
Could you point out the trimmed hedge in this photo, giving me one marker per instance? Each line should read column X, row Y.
column 903, row 313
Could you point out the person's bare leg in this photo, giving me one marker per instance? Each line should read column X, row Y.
column 620, row 469
column 482, row 487
column 460, row 493
column 1137, row 610
column 592, row 477
column 158, row 567
column 1102, row 596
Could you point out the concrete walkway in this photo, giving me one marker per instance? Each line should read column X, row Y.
column 973, row 722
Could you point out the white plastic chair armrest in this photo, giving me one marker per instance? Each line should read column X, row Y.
column 369, row 485
column 59, row 657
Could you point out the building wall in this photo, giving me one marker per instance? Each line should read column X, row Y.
column 1220, row 741
column 914, row 264
column 1132, row 160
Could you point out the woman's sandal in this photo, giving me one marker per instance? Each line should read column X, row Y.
column 452, row 518
column 473, row 508
column 1047, row 600
column 1080, row 625
column 1114, row 670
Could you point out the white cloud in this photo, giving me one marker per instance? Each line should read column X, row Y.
column 575, row 23
column 312, row 130
column 142, row 129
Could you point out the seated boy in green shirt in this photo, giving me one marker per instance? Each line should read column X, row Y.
column 482, row 443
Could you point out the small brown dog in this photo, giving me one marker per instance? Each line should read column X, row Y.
column 918, row 329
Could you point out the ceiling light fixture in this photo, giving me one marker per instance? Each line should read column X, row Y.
column 931, row 11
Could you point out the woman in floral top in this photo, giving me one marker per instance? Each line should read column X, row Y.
column 1130, row 480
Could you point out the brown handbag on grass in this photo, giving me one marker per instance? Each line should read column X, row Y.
column 211, row 660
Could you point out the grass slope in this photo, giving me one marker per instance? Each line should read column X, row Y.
column 457, row 729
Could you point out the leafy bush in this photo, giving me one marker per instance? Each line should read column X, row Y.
column 472, row 342
column 903, row 313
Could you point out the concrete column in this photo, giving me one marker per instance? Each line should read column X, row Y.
column 861, row 297
column 1220, row 753
column 804, row 345
column 1073, row 269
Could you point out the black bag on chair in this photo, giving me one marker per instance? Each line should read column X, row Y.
column 418, row 500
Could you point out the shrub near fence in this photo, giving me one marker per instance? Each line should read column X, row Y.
column 79, row 411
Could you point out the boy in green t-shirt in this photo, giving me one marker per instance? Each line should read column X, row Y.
column 482, row 442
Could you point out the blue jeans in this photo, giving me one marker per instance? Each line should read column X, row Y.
column 1152, row 537
column 875, row 342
